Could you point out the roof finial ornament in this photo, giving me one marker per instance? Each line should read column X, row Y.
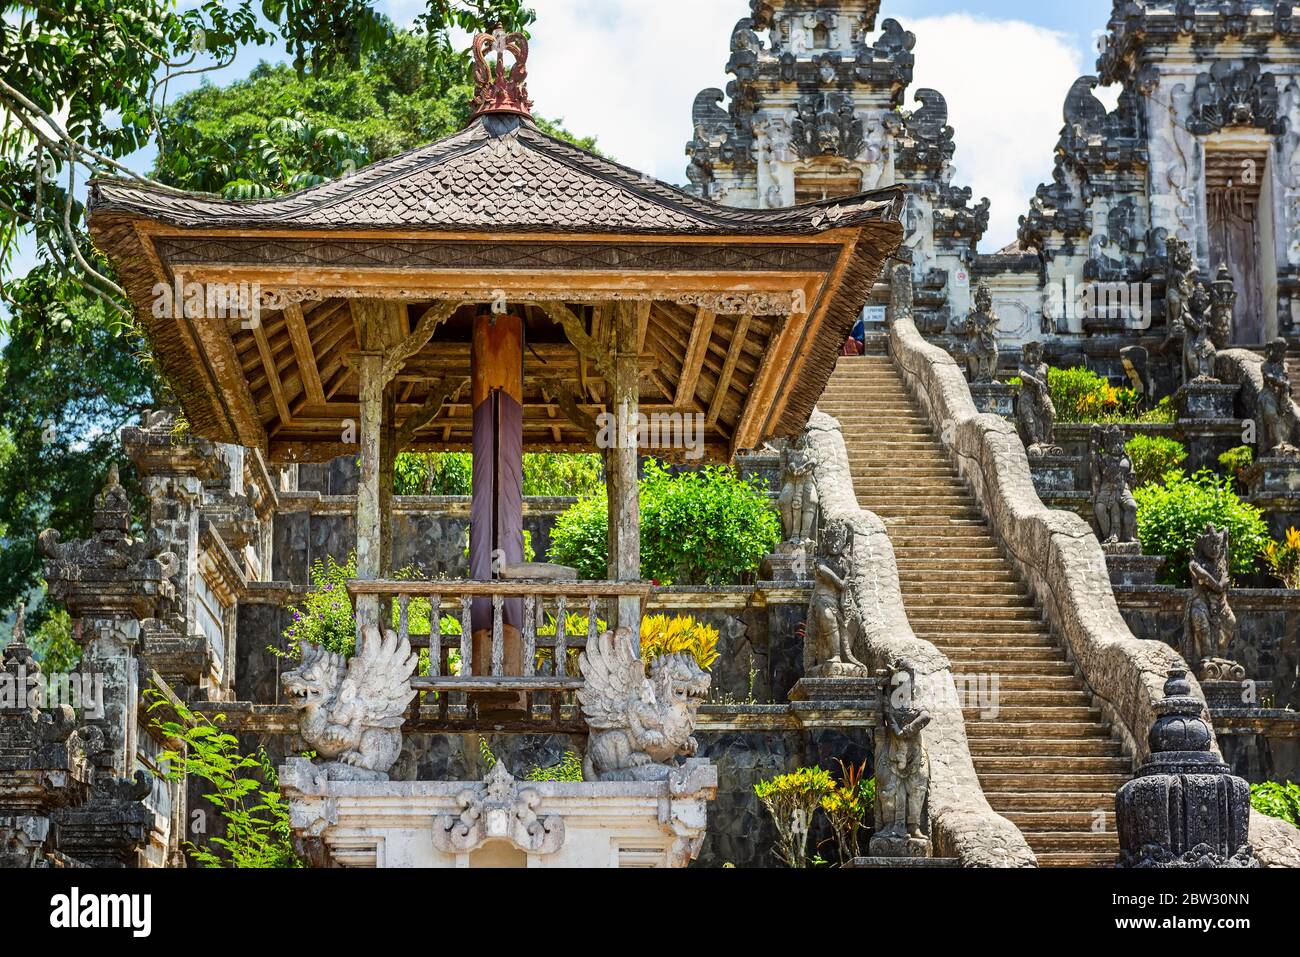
column 496, row 90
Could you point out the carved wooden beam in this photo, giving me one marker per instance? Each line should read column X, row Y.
column 438, row 393
column 568, row 403
column 574, row 330
column 396, row 356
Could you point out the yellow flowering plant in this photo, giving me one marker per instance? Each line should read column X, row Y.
column 664, row 635
column 1283, row 558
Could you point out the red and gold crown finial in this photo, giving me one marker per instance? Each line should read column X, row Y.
column 498, row 90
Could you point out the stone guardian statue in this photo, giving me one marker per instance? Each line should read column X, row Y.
column 1112, row 487
column 902, row 769
column 798, row 499
column 1279, row 419
column 828, row 635
column 1209, row 626
column 1035, row 412
column 982, row 338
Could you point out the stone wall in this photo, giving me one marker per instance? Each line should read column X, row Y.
column 962, row 823
column 1055, row 552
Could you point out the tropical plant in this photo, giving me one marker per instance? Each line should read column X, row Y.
column 792, row 800
column 433, row 473
column 700, row 527
column 53, row 645
column 244, row 788
column 1283, row 559
column 1237, row 460
column 847, row 807
column 664, row 635
column 1277, row 800
column 1154, row 456
column 569, row 768
column 1081, row 395
column 325, row 616
column 1172, row 516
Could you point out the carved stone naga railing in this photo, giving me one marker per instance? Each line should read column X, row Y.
column 558, row 599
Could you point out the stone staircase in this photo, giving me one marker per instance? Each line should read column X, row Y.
column 1046, row 761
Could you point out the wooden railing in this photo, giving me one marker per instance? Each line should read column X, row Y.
column 540, row 599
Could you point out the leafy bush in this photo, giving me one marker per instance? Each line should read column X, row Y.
column 325, row 616
column 661, row 635
column 53, row 646
column 705, row 527
column 569, row 769
column 452, row 473
column 1153, row 456
column 847, row 806
column 1277, row 800
column 1235, row 461
column 245, row 789
column 1080, row 395
column 1283, row 559
column 792, row 800
column 1172, row 516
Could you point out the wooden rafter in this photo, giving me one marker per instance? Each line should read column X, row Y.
column 728, row 369
column 302, row 350
column 701, row 333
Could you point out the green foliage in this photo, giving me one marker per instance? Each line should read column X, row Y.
column 1277, row 800
column 325, row 616
column 703, row 527
column 70, row 379
column 244, row 788
column 847, row 807
column 1081, row 395
column 569, row 769
column 1283, row 559
column 1172, row 516
column 547, row 474
column 1154, row 456
column 53, row 645
column 1235, row 460
column 792, row 799
column 669, row 635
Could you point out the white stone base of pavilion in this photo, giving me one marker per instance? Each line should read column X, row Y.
column 499, row 821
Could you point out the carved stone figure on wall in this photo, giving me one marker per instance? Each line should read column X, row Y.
column 1035, row 411
column 1112, row 487
column 1223, row 300
column 639, row 723
column 798, row 500
column 1199, row 353
column 1180, row 283
column 902, row 769
column 828, row 634
column 1209, row 625
column 350, row 711
column 1279, row 421
column 982, row 338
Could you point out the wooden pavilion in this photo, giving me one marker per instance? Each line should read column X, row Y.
column 498, row 290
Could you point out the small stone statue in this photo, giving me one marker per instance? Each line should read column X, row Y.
column 1112, row 486
column 1035, row 412
column 1180, row 283
column 828, row 636
column 798, row 499
column 982, row 338
column 1209, row 626
column 1279, row 420
column 902, row 770
column 1199, row 353
column 1223, row 302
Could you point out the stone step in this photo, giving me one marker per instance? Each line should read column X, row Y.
column 1049, row 713
column 1079, row 747
column 990, row 665
column 978, row 603
column 922, row 610
column 1028, row 682
column 1076, row 860
column 1079, row 802
column 1031, row 822
column 1051, row 764
column 1029, row 783
column 947, row 586
column 973, row 624
column 975, row 566
column 1074, row 842
column 983, row 641
column 952, row 577
column 1039, row 697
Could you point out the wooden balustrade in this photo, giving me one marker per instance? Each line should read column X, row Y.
column 542, row 601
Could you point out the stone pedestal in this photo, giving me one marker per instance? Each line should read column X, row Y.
column 499, row 821
column 1236, row 695
column 1053, row 473
column 995, row 398
column 1273, row 476
column 871, row 863
column 899, row 847
column 1206, row 399
column 791, row 562
column 1128, row 566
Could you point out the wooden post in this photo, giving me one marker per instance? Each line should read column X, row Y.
column 621, row 467
column 369, row 548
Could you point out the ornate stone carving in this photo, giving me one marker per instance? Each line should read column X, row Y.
column 798, row 499
column 1180, row 283
column 826, row 125
column 902, row 770
column 828, row 633
column 498, row 90
column 1238, row 94
column 1209, row 626
column 1199, row 353
column 499, row 809
column 1112, row 487
column 982, row 338
column 639, row 724
column 1223, row 300
column 1279, row 418
column 1035, row 411
column 351, row 710
column 1184, row 809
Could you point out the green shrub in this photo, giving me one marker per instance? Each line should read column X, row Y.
column 569, row 769
column 705, row 527
column 245, row 788
column 1172, row 516
column 1277, row 800
column 53, row 646
column 1153, row 456
column 325, row 616
column 1081, row 395
column 452, row 473
column 792, row 800
column 1234, row 461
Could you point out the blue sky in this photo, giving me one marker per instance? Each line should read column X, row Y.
column 1004, row 65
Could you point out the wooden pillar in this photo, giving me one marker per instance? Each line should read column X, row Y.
column 621, row 467
column 369, row 504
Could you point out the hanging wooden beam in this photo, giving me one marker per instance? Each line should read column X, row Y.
column 272, row 374
column 728, row 369
column 701, row 333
